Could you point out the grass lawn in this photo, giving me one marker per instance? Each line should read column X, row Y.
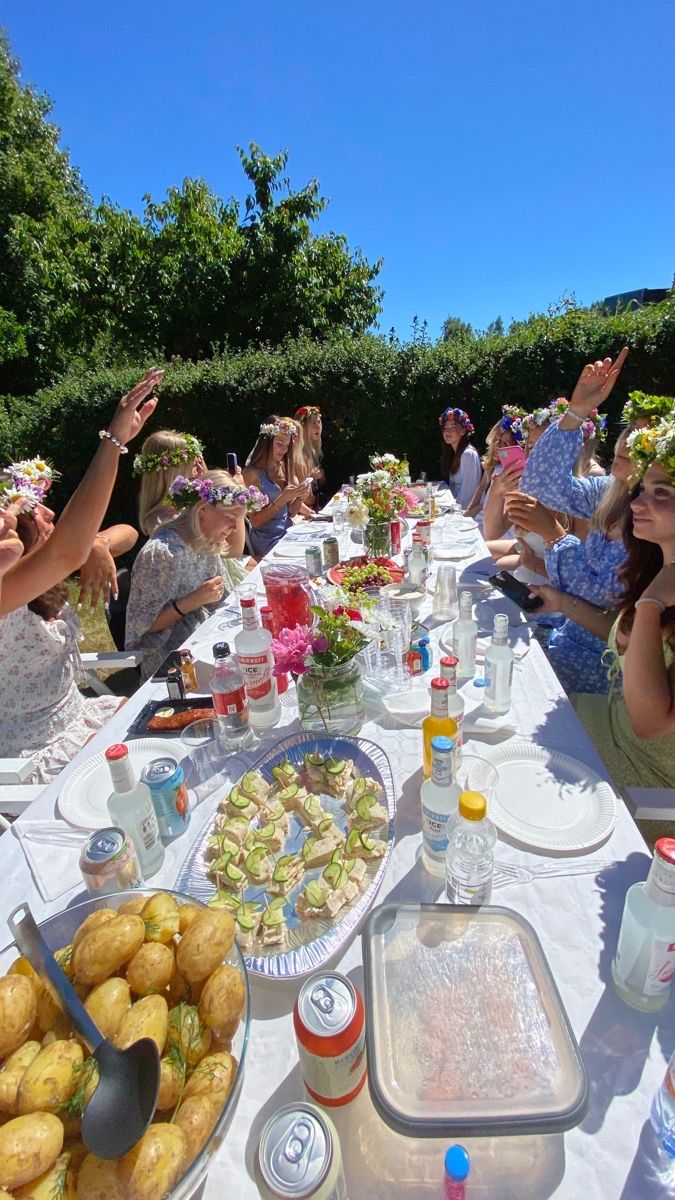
column 94, row 625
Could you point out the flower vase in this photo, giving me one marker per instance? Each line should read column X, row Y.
column 330, row 699
column 377, row 539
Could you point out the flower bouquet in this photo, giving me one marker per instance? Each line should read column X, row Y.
column 372, row 505
column 328, row 677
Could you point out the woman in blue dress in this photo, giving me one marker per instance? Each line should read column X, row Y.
column 275, row 466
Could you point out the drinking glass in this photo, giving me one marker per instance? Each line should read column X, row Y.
column 206, row 749
column 475, row 774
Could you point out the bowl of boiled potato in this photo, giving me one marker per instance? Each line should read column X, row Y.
column 146, row 964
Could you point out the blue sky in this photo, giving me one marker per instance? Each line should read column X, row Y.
column 495, row 153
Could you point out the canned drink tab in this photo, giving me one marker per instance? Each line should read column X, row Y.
column 299, row 1156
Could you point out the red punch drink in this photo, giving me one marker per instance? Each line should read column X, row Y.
column 289, row 595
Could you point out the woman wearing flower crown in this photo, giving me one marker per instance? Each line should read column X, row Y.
column 496, row 524
column 183, row 569
column 460, row 463
column 634, row 729
column 164, row 455
column 311, row 427
column 43, row 714
column 497, row 439
column 275, row 466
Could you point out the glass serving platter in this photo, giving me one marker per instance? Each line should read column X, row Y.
column 309, row 942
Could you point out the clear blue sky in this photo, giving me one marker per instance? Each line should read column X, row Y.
column 495, row 153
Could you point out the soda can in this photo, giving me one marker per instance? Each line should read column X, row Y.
column 313, row 560
column 109, row 863
column 331, row 552
column 299, row 1156
column 166, row 780
column 395, row 532
column 330, row 1029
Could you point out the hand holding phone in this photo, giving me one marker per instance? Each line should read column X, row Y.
column 511, row 456
column 519, row 592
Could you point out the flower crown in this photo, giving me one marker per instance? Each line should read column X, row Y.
column 29, row 480
column 512, row 420
column 147, row 464
column 460, row 416
column 308, row 410
column 653, row 445
column 639, row 404
column 185, row 493
column 538, row 417
column 285, row 426
column 595, row 424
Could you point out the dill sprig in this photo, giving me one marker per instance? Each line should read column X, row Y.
column 84, row 1076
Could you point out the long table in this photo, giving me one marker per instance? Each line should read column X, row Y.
column 612, row 1155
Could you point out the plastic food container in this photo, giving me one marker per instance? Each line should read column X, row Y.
column 466, row 1033
column 58, row 931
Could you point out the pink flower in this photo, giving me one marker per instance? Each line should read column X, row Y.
column 290, row 650
column 320, row 644
column 354, row 614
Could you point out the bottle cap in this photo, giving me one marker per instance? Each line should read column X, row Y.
column 480, row 682
column 247, row 602
column 221, row 650
column 442, row 744
column 449, row 660
column 457, row 1164
column 441, row 685
column 114, row 753
column 665, row 848
column 472, row 805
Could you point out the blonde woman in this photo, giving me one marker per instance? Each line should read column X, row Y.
column 164, row 455
column 275, row 466
column 496, row 440
column 183, row 569
column 311, row 429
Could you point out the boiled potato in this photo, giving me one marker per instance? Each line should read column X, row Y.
column 98, row 1180
column 187, row 914
column 51, row 1078
column 205, row 943
column 50, row 1015
column 21, row 966
column 12, row 1074
column 170, row 1083
column 133, row 907
column 18, row 1010
column 188, row 1034
column 179, row 988
column 162, row 918
column 57, row 1182
column 99, row 917
column 107, row 1005
column 152, row 1167
column 28, row 1147
column 222, row 999
column 148, row 1017
column 213, row 1077
column 101, row 952
column 196, row 1117
column 151, row 968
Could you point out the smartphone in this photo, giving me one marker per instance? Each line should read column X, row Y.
column 511, row 456
column 232, row 463
column 516, row 591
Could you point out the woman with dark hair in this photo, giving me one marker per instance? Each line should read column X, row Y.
column 460, row 463
column 635, row 731
column 275, row 466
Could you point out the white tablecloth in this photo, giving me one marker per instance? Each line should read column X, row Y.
column 612, row 1154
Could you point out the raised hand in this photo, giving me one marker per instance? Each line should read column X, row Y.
column 595, row 383
column 134, row 409
column 524, row 510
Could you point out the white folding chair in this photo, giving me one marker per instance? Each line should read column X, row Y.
column 651, row 804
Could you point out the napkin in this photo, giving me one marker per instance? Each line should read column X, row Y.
column 52, row 851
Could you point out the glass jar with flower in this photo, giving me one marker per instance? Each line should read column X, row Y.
column 328, row 677
column 376, row 501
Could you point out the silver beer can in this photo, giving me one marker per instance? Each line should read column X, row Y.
column 299, row 1156
column 313, row 560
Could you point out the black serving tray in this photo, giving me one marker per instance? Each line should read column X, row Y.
column 140, row 725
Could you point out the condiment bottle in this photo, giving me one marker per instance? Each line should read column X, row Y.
column 438, row 722
column 457, row 1164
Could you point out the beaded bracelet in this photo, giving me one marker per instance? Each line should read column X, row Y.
column 651, row 600
column 575, row 416
column 105, row 433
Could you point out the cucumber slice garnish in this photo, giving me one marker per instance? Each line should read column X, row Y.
column 233, row 873
column 332, row 874
column 335, row 766
column 353, row 842
column 364, row 805
column 308, row 847
column 314, row 760
column 235, row 797
column 326, row 826
column 317, row 893
column 253, row 860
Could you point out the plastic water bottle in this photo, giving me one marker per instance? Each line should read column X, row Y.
column 229, row 698
column 464, row 634
column 457, row 1165
column 499, row 667
column 662, row 1115
column 644, row 963
column 469, row 858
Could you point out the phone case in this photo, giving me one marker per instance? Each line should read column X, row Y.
column 516, row 591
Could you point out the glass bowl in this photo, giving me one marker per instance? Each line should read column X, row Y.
column 58, row 931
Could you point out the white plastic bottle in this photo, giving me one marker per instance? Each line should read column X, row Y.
column 469, row 859
column 499, row 667
column 464, row 634
column 229, row 699
column 438, row 797
column 448, row 665
column 130, row 806
column 256, row 663
column 662, row 1115
column 645, row 955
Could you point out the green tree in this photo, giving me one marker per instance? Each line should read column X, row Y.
column 454, row 330
column 495, row 328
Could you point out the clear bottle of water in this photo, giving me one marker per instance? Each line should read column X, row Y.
column 469, row 858
column 662, row 1115
column 229, row 698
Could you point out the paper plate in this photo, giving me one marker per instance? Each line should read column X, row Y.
column 83, row 800
column 549, row 801
column 456, row 551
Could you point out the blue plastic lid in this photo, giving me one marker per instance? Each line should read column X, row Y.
column 457, row 1164
column 442, row 743
column 480, row 683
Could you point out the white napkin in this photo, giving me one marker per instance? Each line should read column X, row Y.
column 52, row 851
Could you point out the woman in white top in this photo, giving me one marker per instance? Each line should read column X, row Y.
column 460, row 463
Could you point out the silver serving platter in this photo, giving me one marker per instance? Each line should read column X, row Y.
column 309, row 943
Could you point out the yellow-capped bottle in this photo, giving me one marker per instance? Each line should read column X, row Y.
column 439, row 723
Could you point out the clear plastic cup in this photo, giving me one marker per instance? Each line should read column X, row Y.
column 207, row 756
column 476, row 774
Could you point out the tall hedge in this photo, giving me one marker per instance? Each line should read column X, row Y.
column 375, row 394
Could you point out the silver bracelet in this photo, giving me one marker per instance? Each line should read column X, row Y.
column 569, row 412
column 651, row 600
column 105, row 433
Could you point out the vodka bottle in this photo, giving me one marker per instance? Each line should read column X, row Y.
column 662, row 1115
column 229, row 699
column 438, row 797
column 645, row 955
column 469, row 859
column 438, row 723
column 499, row 667
column 130, row 806
column 448, row 665
column 252, row 647
column 464, row 633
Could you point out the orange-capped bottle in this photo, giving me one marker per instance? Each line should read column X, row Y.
column 439, row 723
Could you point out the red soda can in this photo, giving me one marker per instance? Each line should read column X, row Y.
column 395, row 532
column 423, row 528
column 329, row 1023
